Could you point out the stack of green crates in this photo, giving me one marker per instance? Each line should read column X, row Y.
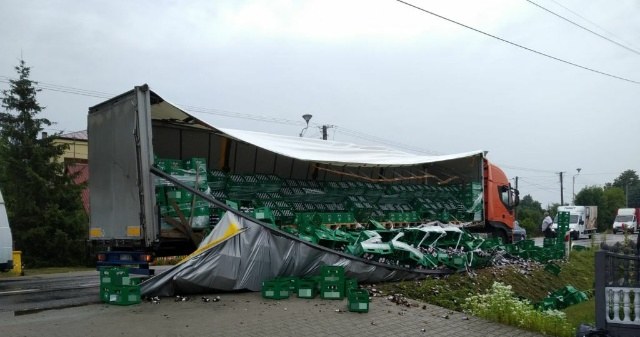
column 332, row 282
column 117, row 287
column 193, row 172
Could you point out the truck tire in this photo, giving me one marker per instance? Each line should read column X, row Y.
column 575, row 236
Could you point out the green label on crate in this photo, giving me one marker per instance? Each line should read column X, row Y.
column 284, row 292
column 113, row 298
column 269, row 293
column 105, row 279
column 332, row 294
column 363, row 306
column 331, row 278
column 304, row 292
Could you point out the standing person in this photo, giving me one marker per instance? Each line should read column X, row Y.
column 546, row 225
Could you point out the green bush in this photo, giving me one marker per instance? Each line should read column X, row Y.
column 499, row 305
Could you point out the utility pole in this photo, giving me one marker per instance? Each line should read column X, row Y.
column 516, row 210
column 561, row 188
column 324, row 131
column 626, row 200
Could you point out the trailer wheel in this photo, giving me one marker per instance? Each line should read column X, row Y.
column 575, row 235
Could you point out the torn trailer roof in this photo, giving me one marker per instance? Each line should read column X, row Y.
column 301, row 148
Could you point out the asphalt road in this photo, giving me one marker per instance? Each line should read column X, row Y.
column 35, row 293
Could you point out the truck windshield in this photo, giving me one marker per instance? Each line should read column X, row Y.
column 624, row 218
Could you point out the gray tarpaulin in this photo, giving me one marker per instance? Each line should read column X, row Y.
column 241, row 254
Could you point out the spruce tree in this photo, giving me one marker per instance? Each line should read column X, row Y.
column 44, row 206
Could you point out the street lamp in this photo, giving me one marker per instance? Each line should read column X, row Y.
column 573, row 188
column 307, row 118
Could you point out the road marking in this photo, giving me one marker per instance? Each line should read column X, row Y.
column 18, row 291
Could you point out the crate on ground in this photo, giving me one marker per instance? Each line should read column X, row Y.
column 552, row 268
column 358, row 300
column 275, row 290
column 332, row 290
column 120, row 295
column 307, row 288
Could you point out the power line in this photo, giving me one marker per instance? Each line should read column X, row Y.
column 63, row 89
column 585, row 28
column 591, row 22
column 539, row 186
column 519, row 168
column 369, row 137
column 519, row 45
column 225, row 113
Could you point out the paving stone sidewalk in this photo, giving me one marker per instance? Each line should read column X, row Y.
column 248, row 314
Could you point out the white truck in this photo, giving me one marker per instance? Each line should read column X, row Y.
column 6, row 240
column 626, row 220
column 582, row 220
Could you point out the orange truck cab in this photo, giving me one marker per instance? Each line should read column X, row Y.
column 500, row 200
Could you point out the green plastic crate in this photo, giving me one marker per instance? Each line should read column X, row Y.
column 332, row 273
column 120, row 295
column 290, row 281
column 275, row 290
column 116, row 276
column 552, row 268
column 196, row 164
column 548, row 242
column 332, row 290
column 358, row 300
column 307, row 289
column 350, row 284
column 171, row 166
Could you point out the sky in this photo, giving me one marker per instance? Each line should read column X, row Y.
column 376, row 71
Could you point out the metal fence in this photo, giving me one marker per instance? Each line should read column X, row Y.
column 617, row 291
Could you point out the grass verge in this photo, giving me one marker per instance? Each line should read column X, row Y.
column 531, row 282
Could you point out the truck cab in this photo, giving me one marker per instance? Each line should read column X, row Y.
column 582, row 220
column 500, row 202
column 6, row 240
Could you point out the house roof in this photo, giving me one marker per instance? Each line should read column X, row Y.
column 77, row 135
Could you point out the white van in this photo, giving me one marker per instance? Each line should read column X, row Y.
column 6, row 240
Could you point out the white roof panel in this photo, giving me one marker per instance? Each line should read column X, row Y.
column 311, row 149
